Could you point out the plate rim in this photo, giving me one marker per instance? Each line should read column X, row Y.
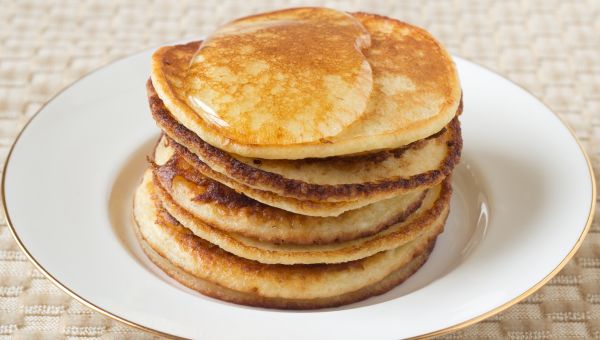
column 442, row 331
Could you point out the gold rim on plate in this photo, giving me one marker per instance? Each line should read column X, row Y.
column 439, row 332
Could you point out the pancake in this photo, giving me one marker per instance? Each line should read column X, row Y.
column 252, row 81
column 415, row 93
column 223, row 208
column 256, row 300
column 431, row 215
column 309, row 208
column 213, row 271
column 369, row 177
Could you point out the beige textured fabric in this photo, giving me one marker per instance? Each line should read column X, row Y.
column 552, row 48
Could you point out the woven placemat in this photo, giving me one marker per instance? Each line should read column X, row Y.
column 552, row 48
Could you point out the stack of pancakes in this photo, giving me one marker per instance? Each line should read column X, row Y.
column 305, row 159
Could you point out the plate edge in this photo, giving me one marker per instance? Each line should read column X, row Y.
column 568, row 257
column 13, row 231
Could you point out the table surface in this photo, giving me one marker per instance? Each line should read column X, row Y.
column 552, row 48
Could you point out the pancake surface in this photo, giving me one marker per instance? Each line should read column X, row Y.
column 415, row 93
column 311, row 286
column 253, row 82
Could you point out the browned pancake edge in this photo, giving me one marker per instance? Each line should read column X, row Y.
column 254, row 177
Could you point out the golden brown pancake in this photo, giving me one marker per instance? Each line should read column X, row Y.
column 430, row 215
column 223, row 208
column 369, row 177
column 256, row 300
column 415, row 93
column 308, row 208
column 253, row 81
column 215, row 272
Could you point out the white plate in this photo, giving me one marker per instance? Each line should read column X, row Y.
column 524, row 193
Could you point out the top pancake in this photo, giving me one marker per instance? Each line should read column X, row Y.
column 367, row 177
column 415, row 89
column 253, row 81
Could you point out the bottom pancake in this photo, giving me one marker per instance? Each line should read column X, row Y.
column 222, row 293
column 212, row 271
